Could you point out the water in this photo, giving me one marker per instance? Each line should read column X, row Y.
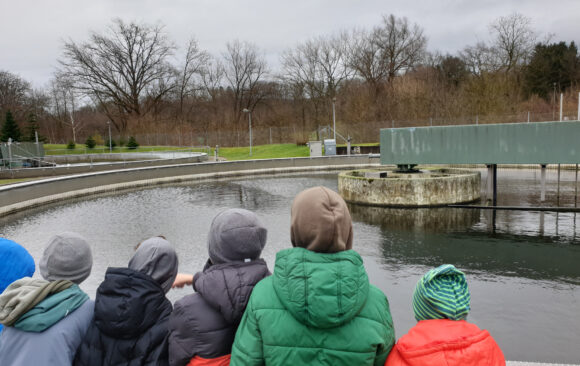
column 523, row 268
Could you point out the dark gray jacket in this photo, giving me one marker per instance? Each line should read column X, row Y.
column 204, row 324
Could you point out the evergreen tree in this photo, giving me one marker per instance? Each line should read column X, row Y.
column 554, row 63
column 31, row 128
column 90, row 142
column 132, row 143
column 10, row 129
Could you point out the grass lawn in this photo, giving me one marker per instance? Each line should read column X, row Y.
column 264, row 152
column 11, row 181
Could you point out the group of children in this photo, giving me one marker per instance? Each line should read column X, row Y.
column 317, row 308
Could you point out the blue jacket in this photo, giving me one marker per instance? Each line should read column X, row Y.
column 56, row 345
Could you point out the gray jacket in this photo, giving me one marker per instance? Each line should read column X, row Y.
column 55, row 346
column 204, row 324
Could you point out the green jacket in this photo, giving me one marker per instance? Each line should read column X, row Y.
column 316, row 309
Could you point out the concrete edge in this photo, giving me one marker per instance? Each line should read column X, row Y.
column 118, row 187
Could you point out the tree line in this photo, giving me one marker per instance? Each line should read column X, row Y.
column 133, row 76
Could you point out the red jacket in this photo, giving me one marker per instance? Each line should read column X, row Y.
column 447, row 343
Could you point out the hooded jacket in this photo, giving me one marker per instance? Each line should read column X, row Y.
column 444, row 342
column 130, row 322
column 316, row 309
column 204, row 324
column 47, row 321
column 131, row 311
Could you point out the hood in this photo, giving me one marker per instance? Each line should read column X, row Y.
column 156, row 258
column 24, row 294
column 321, row 290
column 128, row 303
column 236, row 235
column 320, row 221
column 227, row 287
column 447, row 342
column 16, row 263
column 52, row 310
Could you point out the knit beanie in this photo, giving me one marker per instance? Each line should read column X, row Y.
column 156, row 258
column 236, row 235
column 441, row 293
column 320, row 221
column 67, row 256
column 15, row 263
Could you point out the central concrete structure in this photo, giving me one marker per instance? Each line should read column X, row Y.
column 423, row 189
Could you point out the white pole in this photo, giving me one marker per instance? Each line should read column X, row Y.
column 110, row 142
column 528, row 116
column 561, row 104
column 334, row 118
column 578, row 106
column 250, row 122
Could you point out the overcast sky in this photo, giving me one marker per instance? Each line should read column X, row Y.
column 32, row 31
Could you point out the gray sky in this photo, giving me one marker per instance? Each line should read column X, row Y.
column 32, row 31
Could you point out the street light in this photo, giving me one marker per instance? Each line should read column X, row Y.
column 110, row 141
column 246, row 110
column 334, row 118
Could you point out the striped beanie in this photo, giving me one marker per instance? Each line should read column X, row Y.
column 441, row 293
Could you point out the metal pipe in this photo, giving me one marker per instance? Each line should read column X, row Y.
column 494, row 185
column 543, row 180
column 561, row 105
column 576, row 188
column 558, row 194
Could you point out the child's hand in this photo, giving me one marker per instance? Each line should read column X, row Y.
column 182, row 279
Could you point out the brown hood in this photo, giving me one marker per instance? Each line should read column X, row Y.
column 320, row 221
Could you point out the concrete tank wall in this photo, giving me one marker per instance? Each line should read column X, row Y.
column 19, row 196
column 412, row 190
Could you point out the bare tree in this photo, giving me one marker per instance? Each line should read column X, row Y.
column 63, row 103
column 402, row 45
column 480, row 59
column 514, row 40
column 367, row 59
column 320, row 65
column 244, row 71
column 189, row 81
column 14, row 93
column 125, row 69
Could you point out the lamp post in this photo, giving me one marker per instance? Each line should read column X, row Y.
column 334, row 117
column 246, row 110
column 110, row 141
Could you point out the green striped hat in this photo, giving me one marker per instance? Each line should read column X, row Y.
column 442, row 293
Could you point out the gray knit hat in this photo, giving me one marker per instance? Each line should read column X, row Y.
column 67, row 256
column 157, row 258
column 236, row 235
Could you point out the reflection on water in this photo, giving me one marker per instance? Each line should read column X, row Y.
column 523, row 267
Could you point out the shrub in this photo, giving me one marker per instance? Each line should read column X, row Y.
column 90, row 143
column 71, row 145
column 132, row 143
column 99, row 139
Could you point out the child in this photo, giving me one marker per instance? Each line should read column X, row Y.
column 203, row 324
column 45, row 320
column 318, row 308
column 442, row 336
column 131, row 311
